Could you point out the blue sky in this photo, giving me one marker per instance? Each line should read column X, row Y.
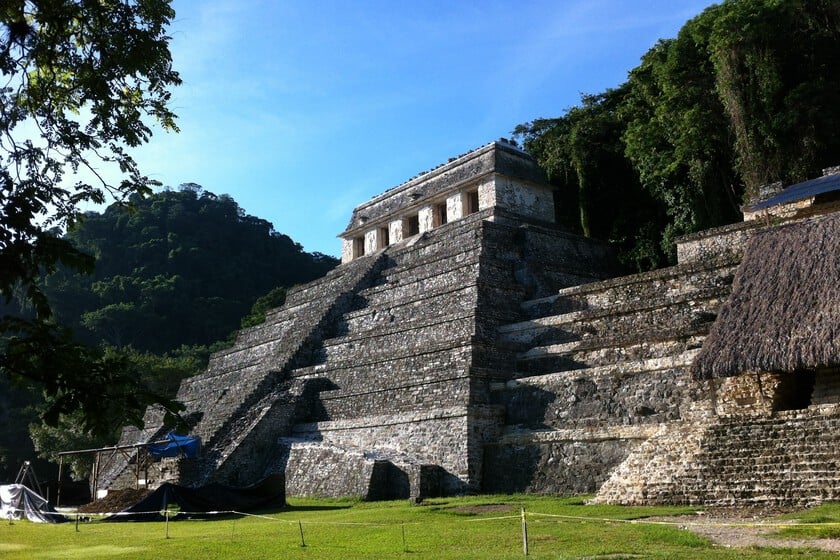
column 302, row 110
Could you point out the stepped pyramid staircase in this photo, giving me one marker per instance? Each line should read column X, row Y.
column 246, row 395
column 756, row 438
column 788, row 459
column 339, row 370
column 421, row 369
column 402, row 380
column 380, row 384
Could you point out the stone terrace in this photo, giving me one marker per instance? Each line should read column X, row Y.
column 600, row 367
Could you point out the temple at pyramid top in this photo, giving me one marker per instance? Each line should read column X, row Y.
column 497, row 175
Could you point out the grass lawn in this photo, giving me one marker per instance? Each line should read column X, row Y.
column 473, row 527
column 821, row 522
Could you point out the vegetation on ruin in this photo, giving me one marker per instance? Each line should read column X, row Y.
column 474, row 527
column 747, row 94
column 821, row 522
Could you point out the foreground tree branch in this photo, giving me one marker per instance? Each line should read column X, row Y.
column 84, row 81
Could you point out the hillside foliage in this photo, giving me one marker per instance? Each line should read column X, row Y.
column 83, row 83
column 179, row 268
column 747, row 94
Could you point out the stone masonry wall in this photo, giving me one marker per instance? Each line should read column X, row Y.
column 496, row 157
column 236, row 393
column 402, row 367
column 600, row 368
column 737, row 442
column 789, row 458
column 557, row 467
column 396, row 366
column 601, row 388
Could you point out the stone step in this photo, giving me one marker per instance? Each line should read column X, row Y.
column 365, row 363
column 251, row 361
column 420, row 296
column 352, row 401
column 768, row 461
column 629, row 393
column 334, row 282
column 595, row 352
column 693, row 313
column 766, row 450
column 338, row 280
column 423, row 254
column 517, row 435
column 659, row 285
column 739, row 461
column 436, row 255
column 392, row 339
column 457, row 301
column 625, row 368
column 746, row 462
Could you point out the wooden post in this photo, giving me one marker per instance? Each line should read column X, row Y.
column 58, row 489
column 95, row 476
column 403, row 537
column 167, row 521
column 524, row 533
column 302, row 542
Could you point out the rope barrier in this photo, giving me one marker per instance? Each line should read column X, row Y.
column 334, row 523
column 681, row 523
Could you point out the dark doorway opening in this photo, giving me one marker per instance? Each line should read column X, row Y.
column 794, row 391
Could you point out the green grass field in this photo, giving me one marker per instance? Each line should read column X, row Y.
column 474, row 527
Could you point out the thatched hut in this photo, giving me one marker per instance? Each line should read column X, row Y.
column 783, row 315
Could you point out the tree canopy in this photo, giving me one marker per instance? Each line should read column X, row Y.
column 747, row 94
column 82, row 84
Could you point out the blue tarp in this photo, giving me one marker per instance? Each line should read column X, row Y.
column 800, row 191
column 187, row 446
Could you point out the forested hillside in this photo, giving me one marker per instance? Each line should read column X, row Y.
column 176, row 274
column 747, row 94
column 182, row 267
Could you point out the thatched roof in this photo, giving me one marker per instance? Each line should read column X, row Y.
column 784, row 311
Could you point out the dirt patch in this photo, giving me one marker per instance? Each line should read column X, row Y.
column 116, row 500
column 746, row 527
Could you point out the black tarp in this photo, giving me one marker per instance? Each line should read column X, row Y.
column 199, row 502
